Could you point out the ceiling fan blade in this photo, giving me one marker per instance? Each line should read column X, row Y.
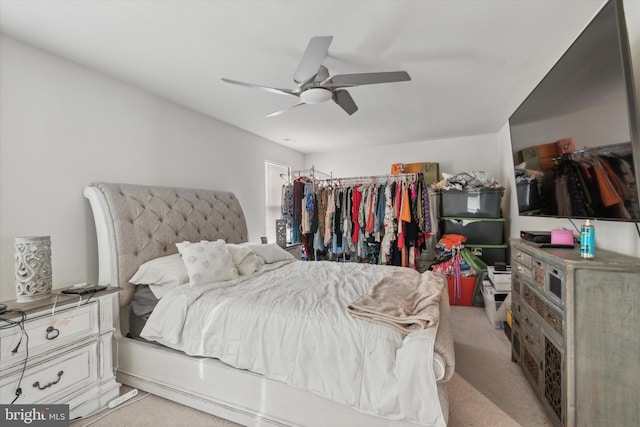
column 312, row 59
column 277, row 113
column 265, row 88
column 359, row 79
column 345, row 101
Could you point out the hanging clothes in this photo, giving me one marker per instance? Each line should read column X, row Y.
column 298, row 196
column 286, row 208
column 378, row 222
column 328, row 226
column 355, row 209
column 390, row 226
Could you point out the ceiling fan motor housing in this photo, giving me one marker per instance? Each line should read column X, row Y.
column 315, row 95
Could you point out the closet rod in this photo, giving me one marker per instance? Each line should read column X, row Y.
column 619, row 148
column 354, row 178
column 312, row 170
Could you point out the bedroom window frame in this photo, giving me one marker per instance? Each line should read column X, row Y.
column 273, row 195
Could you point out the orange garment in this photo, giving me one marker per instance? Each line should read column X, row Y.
column 452, row 240
column 608, row 194
column 405, row 211
column 405, row 216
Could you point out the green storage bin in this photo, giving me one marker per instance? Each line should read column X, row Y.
column 478, row 231
column 490, row 254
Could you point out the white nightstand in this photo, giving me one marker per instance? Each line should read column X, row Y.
column 66, row 353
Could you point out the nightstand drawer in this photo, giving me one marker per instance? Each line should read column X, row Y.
column 47, row 332
column 52, row 380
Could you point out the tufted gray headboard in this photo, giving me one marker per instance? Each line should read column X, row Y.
column 136, row 223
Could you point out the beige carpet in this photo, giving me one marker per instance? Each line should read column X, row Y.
column 488, row 390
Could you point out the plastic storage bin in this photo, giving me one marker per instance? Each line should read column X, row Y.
column 495, row 304
column 528, row 196
column 483, row 203
column 501, row 280
column 467, row 285
column 481, row 231
column 490, row 254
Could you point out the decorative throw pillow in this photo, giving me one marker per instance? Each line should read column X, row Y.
column 245, row 260
column 271, row 253
column 164, row 271
column 207, row 262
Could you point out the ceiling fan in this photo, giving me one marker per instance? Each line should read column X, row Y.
column 315, row 85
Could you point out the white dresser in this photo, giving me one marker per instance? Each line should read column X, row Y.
column 575, row 333
column 65, row 354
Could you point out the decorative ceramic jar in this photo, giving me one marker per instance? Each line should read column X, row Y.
column 33, row 268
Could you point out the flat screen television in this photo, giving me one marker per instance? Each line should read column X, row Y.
column 575, row 138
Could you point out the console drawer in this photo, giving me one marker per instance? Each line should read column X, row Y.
column 538, row 274
column 521, row 257
column 521, row 272
column 543, row 309
column 531, row 340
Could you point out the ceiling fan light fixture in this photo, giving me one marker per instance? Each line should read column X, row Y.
column 315, row 95
column 316, row 86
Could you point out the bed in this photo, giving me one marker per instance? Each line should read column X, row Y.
column 136, row 224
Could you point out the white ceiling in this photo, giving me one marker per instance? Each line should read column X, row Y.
column 471, row 61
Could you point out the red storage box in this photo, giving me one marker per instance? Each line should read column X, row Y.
column 468, row 284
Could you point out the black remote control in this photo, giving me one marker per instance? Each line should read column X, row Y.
column 83, row 290
column 555, row 245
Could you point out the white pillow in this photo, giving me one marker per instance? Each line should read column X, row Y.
column 160, row 291
column 245, row 260
column 271, row 253
column 207, row 262
column 164, row 271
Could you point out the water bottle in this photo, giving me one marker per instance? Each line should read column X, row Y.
column 587, row 240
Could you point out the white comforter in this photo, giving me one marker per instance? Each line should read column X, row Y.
column 289, row 322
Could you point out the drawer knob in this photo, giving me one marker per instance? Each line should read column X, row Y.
column 37, row 383
column 52, row 333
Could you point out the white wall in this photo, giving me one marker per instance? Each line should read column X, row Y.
column 490, row 153
column 476, row 153
column 63, row 126
column 454, row 155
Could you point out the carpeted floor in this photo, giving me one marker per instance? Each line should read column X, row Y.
column 487, row 390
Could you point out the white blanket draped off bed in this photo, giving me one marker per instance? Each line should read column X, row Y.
column 286, row 326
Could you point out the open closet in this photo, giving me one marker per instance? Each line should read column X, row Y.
column 384, row 219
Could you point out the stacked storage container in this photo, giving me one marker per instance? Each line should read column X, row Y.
column 476, row 215
column 496, row 293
